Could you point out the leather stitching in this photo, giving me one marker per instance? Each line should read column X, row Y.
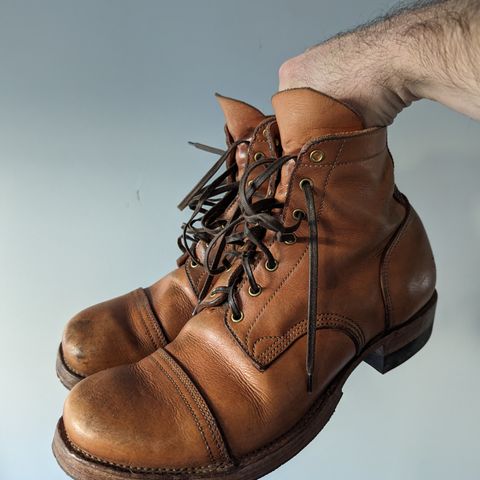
column 384, row 274
column 69, row 367
column 273, row 295
column 190, row 279
column 187, row 404
column 217, row 466
column 199, row 281
column 279, row 348
column 244, row 344
column 147, row 308
column 366, row 159
column 207, row 416
column 332, row 320
column 289, row 274
column 327, row 181
column 144, row 321
column 352, row 137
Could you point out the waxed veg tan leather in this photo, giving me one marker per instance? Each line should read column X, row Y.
column 251, row 374
column 127, row 328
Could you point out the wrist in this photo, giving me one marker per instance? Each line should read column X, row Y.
column 356, row 68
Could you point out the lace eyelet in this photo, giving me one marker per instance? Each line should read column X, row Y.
column 291, row 240
column 271, row 268
column 298, row 214
column 316, row 156
column 304, row 182
column 236, row 320
column 255, row 294
column 213, row 293
column 258, row 156
column 193, row 264
column 249, row 183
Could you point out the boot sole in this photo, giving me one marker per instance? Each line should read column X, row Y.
column 68, row 378
column 382, row 353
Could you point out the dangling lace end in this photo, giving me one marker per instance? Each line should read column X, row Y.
column 309, row 382
column 207, row 148
column 186, row 201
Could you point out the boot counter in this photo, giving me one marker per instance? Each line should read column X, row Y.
column 408, row 273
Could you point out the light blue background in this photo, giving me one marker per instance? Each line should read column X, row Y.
column 97, row 102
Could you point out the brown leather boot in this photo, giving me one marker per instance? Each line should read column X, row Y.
column 130, row 327
column 335, row 269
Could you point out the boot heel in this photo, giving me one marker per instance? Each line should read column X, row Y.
column 406, row 341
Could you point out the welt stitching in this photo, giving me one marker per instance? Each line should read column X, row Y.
column 187, row 404
column 69, row 367
column 217, row 466
column 348, row 323
column 272, row 296
column 145, row 326
column 207, row 416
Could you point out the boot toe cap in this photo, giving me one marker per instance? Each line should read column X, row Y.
column 128, row 417
column 106, row 335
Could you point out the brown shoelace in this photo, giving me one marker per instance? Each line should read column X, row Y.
column 208, row 200
column 256, row 218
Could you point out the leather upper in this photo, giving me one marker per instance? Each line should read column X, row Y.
column 127, row 328
column 376, row 270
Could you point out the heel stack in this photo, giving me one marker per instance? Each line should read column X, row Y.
column 404, row 342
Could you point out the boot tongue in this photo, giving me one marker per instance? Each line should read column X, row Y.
column 241, row 120
column 240, row 117
column 304, row 114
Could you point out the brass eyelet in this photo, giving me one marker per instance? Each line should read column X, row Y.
column 316, row 156
column 258, row 156
column 277, row 142
column 193, row 264
column 265, row 132
column 249, row 183
column 213, row 293
column 291, row 240
column 304, row 182
column 236, row 320
column 254, row 294
column 298, row 214
column 271, row 268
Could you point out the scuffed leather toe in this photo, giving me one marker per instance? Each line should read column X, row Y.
column 122, row 417
column 120, row 331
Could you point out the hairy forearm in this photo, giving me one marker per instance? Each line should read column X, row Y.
column 427, row 50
